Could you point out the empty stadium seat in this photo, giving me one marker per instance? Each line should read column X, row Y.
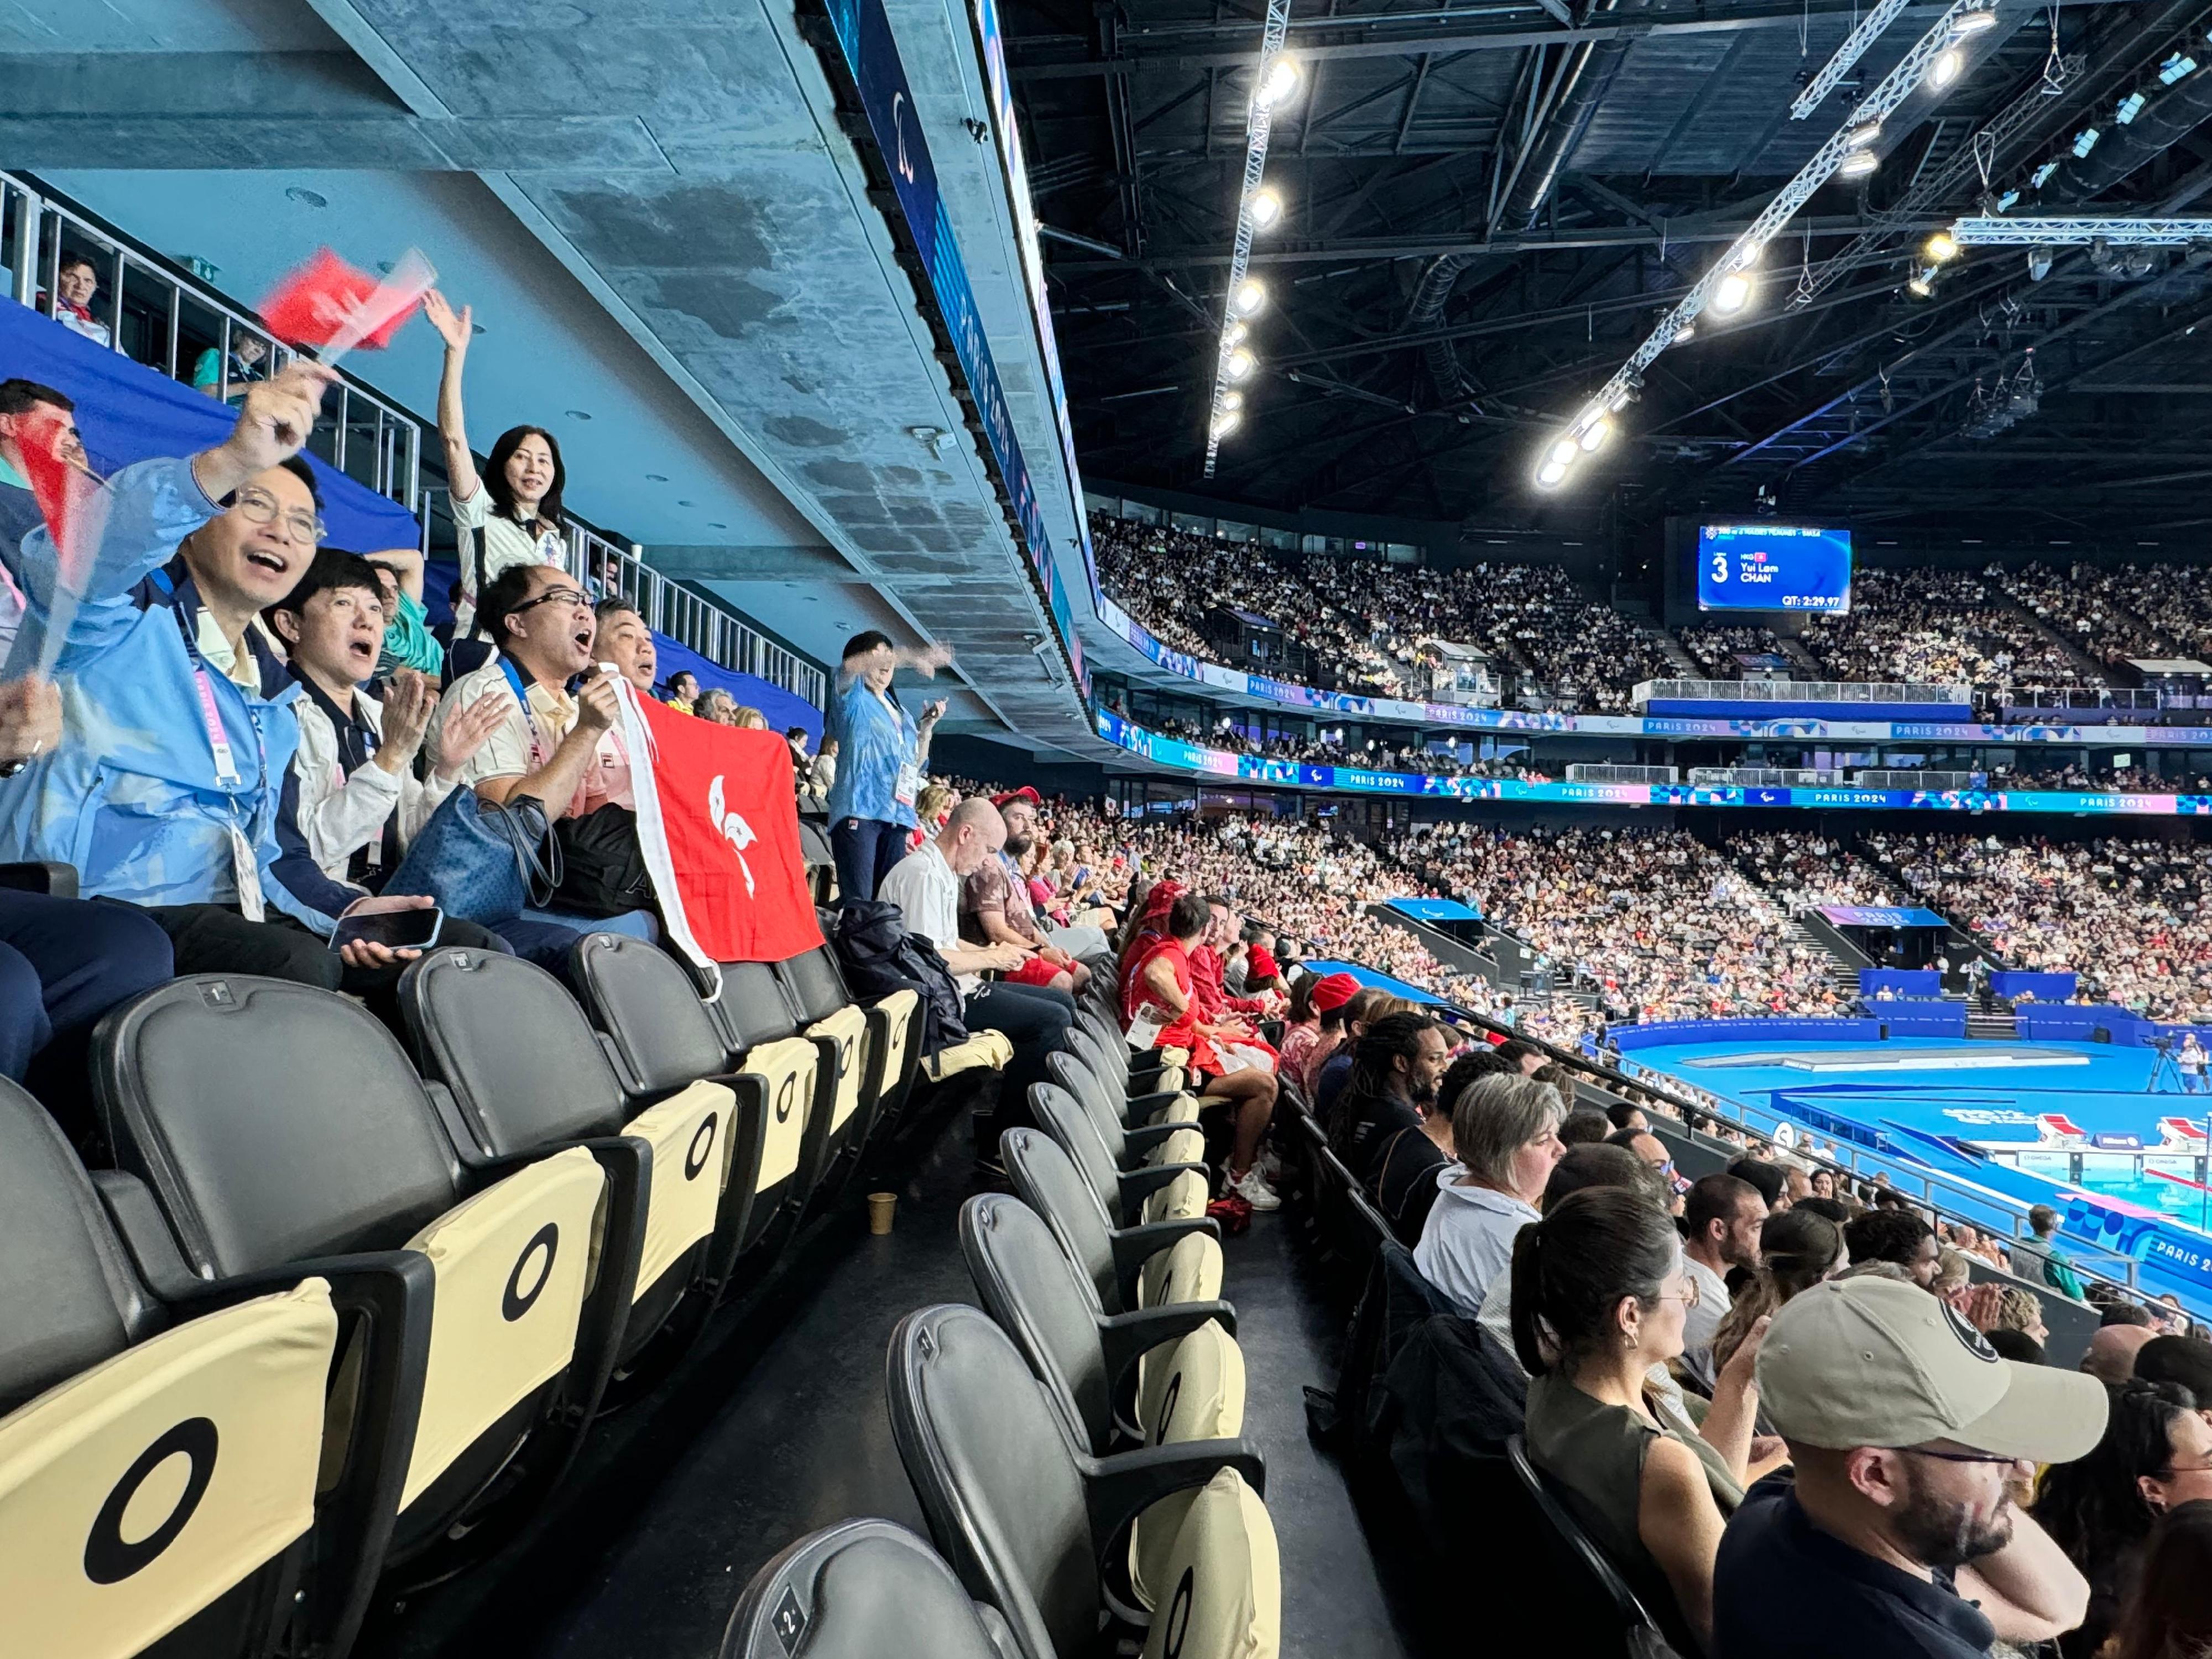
column 263, row 1127
column 751, row 1006
column 1194, row 1374
column 1031, row 1524
column 1162, row 1140
column 661, row 1039
column 874, row 1045
column 1114, row 1263
column 1137, row 1074
column 1151, row 1192
column 861, row 1589
column 1147, row 1095
column 101, row 1386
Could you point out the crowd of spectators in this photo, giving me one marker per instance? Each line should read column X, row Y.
column 1719, row 648
column 1802, row 869
column 1937, row 627
column 2087, row 605
column 2126, row 915
column 1653, row 922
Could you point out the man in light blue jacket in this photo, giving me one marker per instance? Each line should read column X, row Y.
column 180, row 729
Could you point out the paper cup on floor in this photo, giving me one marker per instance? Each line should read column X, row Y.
column 880, row 1205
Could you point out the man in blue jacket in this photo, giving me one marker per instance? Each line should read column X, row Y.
column 180, row 729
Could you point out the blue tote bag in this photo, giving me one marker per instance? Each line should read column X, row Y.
column 481, row 861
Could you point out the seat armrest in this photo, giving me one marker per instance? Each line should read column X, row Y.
column 1124, row 1339
column 160, row 1264
column 1117, row 1490
column 54, row 879
column 1138, row 1184
column 1152, row 1134
column 1140, row 1108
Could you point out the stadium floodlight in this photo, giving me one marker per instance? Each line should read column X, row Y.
column 1732, row 293
column 1858, row 164
column 1265, row 209
column 1595, row 433
column 1565, row 451
column 1863, row 135
column 1972, row 22
column 1226, row 422
column 1941, row 248
column 1552, row 474
column 1238, row 362
column 1277, row 80
column 1922, row 283
column 1234, row 334
column 1231, row 400
column 1684, row 335
column 1950, row 63
column 2038, row 263
column 1247, row 297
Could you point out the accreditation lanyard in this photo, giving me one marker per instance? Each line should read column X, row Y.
column 540, row 750
column 246, row 865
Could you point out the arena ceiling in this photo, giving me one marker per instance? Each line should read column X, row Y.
column 1490, row 205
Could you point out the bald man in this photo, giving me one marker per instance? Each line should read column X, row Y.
column 925, row 887
column 2111, row 1356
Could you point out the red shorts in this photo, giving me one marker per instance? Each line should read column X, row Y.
column 1035, row 971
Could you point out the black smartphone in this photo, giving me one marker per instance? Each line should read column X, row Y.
column 401, row 930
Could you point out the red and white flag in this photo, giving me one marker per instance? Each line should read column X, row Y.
column 74, row 504
column 718, row 822
column 329, row 305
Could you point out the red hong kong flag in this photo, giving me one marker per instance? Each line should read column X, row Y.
column 718, row 822
column 327, row 300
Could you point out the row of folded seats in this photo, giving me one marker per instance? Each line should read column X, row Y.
column 1076, row 1442
column 340, row 1315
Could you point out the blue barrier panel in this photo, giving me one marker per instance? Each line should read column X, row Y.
column 1904, row 982
column 1659, row 1032
column 2079, row 1023
column 2043, row 987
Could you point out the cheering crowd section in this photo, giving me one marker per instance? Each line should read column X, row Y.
column 1938, row 627
column 1803, row 870
column 2126, row 915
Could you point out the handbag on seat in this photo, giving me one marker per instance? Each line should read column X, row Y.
column 481, row 862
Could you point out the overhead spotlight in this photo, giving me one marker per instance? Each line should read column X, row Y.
column 1859, row 163
column 2038, row 263
column 1250, row 296
column 1278, row 79
column 1863, row 135
column 1941, row 248
column 1234, row 334
column 1732, row 293
column 1684, row 335
column 1266, row 209
column 1565, row 451
column 1922, row 283
column 1239, row 363
column 1226, row 422
column 1232, row 400
column 1746, row 256
column 1950, row 63
column 1972, row 22
column 1595, row 435
column 1551, row 474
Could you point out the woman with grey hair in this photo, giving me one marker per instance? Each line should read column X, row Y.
column 1506, row 1132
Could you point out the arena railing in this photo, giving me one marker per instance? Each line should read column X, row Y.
column 374, row 440
column 1865, row 691
column 1607, row 773
column 1766, row 777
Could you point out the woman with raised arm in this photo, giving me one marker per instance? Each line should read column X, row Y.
column 883, row 752
column 509, row 514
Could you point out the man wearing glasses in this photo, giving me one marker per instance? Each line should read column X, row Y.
column 177, row 717
column 1900, row 1535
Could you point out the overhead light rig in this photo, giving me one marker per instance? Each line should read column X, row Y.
column 1730, row 284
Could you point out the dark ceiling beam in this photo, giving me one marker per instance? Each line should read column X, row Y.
column 1293, row 253
column 1383, row 39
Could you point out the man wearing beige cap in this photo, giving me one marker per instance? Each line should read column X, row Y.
column 1898, row 1538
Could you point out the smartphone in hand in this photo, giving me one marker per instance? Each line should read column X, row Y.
column 399, row 930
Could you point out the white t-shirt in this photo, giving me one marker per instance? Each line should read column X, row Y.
column 505, row 545
column 1468, row 1240
column 928, row 894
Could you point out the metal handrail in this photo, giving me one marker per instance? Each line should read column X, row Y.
column 1871, row 692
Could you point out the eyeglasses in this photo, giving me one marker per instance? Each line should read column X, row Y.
column 1687, row 1295
column 2202, row 1465
column 1963, row 1457
column 558, row 596
column 259, row 506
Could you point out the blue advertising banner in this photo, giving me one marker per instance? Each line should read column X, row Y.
column 1881, row 916
column 1256, row 770
column 1774, row 567
column 1434, row 910
column 864, row 35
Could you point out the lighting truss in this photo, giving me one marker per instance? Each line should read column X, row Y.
column 1847, row 57
column 1259, row 121
column 1742, row 255
column 2117, row 231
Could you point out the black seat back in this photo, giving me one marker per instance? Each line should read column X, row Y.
column 861, row 1589
column 751, row 1006
column 1031, row 1287
column 993, row 1469
column 505, row 1035
column 1063, row 1117
column 69, row 1298
column 1581, row 1555
column 1050, row 1184
column 273, row 1121
column 644, row 1005
column 813, row 983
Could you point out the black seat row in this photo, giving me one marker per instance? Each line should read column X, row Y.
column 1075, row 1445
column 342, row 1315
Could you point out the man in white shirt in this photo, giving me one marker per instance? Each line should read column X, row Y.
column 1723, row 1216
column 925, row 886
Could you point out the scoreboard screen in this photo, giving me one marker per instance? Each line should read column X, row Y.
column 1774, row 567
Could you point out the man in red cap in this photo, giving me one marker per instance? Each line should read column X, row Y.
column 996, row 908
column 1308, row 1042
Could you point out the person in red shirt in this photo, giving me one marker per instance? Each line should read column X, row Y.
column 1163, row 1007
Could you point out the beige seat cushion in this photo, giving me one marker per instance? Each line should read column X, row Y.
column 689, row 1134
column 1222, row 1590
column 1193, row 1389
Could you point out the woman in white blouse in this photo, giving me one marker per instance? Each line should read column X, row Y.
column 510, row 514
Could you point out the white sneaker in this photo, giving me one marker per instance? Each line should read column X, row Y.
column 1254, row 1190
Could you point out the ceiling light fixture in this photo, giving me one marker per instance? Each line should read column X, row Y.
column 1248, row 298
column 1950, row 63
column 1858, row 164
column 1941, row 248
column 1266, row 209
column 1239, row 363
column 1732, row 293
column 1274, row 80
column 1277, row 80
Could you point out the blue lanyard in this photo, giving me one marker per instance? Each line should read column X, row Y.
column 538, row 752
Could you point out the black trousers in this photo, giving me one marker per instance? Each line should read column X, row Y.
column 215, row 939
column 1036, row 1021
